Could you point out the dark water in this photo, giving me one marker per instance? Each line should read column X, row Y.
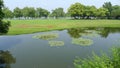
column 23, row 51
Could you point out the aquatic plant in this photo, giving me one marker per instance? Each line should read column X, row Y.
column 92, row 31
column 91, row 35
column 82, row 41
column 103, row 61
column 56, row 43
column 49, row 36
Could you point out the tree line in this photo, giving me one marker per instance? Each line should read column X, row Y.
column 31, row 13
column 108, row 11
column 75, row 11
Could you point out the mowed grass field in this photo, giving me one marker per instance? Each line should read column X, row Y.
column 32, row 26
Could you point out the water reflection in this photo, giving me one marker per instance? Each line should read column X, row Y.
column 103, row 32
column 74, row 32
column 6, row 59
column 106, row 31
column 61, row 49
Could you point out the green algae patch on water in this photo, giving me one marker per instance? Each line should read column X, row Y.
column 82, row 41
column 56, row 43
column 90, row 33
column 48, row 36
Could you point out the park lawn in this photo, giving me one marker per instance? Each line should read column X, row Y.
column 32, row 26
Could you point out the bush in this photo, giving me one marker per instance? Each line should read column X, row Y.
column 4, row 27
column 100, row 62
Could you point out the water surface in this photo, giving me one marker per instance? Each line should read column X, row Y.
column 24, row 51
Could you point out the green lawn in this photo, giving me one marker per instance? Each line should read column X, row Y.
column 31, row 26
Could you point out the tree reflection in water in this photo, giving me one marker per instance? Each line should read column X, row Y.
column 103, row 32
column 6, row 59
column 74, row 32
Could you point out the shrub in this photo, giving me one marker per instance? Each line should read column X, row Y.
column 4, row 27
column 100, row 62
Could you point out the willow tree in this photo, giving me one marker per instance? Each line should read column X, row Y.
column 4, row 26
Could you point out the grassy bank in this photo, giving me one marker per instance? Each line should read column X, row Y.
column 31, row 26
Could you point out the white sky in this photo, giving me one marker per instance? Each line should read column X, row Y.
column 52, row 4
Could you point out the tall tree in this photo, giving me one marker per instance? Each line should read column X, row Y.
column 31, row 12
column 25, row 11
column 76, row 10
column 40, row 12
column 116, row 12
column 58, row 12
column 1, row 13
column 8, row 13
column 46, row 13
column 4, row 26
column 28, row 12
column 89, row 11
column 17, row 12
column 102, row 12
column 108, row 6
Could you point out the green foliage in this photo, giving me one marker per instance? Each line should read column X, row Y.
column 28, row 12
column 76, row 10
column 17, row 12
column 116, row 57
column 89, row 11
column 102, row 12
column 40, row 12
column 25, row 11
column 56, row 43
column 108, row 6
column 103, row 61
column 116, row 11
column 58, row 12
column 8, row 13
column 4, row 26
column 1, row 12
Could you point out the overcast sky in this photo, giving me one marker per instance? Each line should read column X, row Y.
column 52, row 4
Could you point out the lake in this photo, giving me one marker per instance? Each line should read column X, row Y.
column 26, row 51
